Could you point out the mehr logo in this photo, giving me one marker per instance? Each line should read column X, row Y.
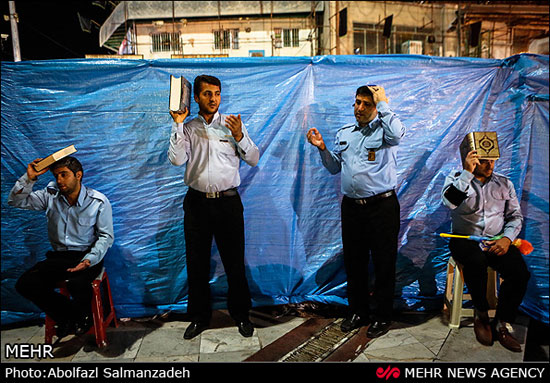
column 389, row 372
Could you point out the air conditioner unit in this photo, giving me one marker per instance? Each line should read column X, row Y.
column 412, row 47
column 539, row 46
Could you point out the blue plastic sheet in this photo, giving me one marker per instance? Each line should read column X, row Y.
column 115, row 113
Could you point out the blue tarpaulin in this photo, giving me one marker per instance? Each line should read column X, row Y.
column 116, row 114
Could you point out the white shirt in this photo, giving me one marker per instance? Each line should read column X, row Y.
column 211, row 153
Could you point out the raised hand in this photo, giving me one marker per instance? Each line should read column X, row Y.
column 471, row 161
column 179, row 116
column 316, row 139
column 31, row 171
column 235, row 124
column 378, row 93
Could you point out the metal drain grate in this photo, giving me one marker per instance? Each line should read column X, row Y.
column 319, row 346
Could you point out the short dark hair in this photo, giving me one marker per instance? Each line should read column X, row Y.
column 363, row 91
column 69, row 162
column 207, row 79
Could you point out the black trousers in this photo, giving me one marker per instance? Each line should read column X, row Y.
column 370, row 230
column 510, row 266
column 221, row 219
column 39, row 282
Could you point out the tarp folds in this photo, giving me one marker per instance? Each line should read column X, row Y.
column 116, row 114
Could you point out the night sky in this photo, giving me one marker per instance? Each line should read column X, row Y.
column 51, row 29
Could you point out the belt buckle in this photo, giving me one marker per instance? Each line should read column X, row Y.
column 212, row 195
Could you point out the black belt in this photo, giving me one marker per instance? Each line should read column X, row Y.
column 226, row 193
column 377, row 197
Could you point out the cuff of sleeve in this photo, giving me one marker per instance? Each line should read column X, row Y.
column 325, row 154
column 92, row 258
column 26, row 181
column 245, row 143
column 177, row 127
column 509, row 233
column 382, row 107
column 466, row 176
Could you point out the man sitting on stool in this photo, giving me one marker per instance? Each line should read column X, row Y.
column 484, row 203
column 80, row 229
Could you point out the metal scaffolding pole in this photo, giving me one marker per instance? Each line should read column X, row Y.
column 14, row 33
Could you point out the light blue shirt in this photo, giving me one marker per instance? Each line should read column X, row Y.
column 88, row 224
column 363, row 177
column 211, row 153
column 489, row 209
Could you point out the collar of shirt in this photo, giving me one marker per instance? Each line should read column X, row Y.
column 215, row 119
column 490, row 180
column 80, row 199
column 370, row 125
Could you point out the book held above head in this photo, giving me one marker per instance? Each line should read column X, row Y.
column 54, row 157
column 485, row 143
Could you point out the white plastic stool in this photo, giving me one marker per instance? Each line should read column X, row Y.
column 454, row 293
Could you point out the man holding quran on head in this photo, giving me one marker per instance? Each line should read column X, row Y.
column 485, row 204
column 80, row 230
column 212, row 146
column 365, row 152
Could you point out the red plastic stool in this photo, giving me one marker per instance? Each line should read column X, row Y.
column 100, row 322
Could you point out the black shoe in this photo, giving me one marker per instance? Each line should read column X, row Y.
column 63, row 329
column 246, row 328
column 194, row 329
column 352, row 323
column 378, row 329
column 84, row 325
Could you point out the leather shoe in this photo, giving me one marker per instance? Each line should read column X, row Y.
column 355, row 321
column 62, row 329
column 377, row 329
column 483, row 331
column 246, row 328
column 507, row 340
column 194, row 329
column 84, row 325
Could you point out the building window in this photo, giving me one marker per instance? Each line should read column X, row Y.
column 286, row 37
column 235, row 38
column 221, row 39
column 295, row 37
column 277, row 37
column 291, row 37
column 226, row 38
column 165, row 42
column 217, row 40
column 369, row 39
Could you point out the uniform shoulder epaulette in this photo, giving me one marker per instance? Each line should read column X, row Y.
column 501, row 176
column 347, row 126
column 52, row 188
column 97, row 195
